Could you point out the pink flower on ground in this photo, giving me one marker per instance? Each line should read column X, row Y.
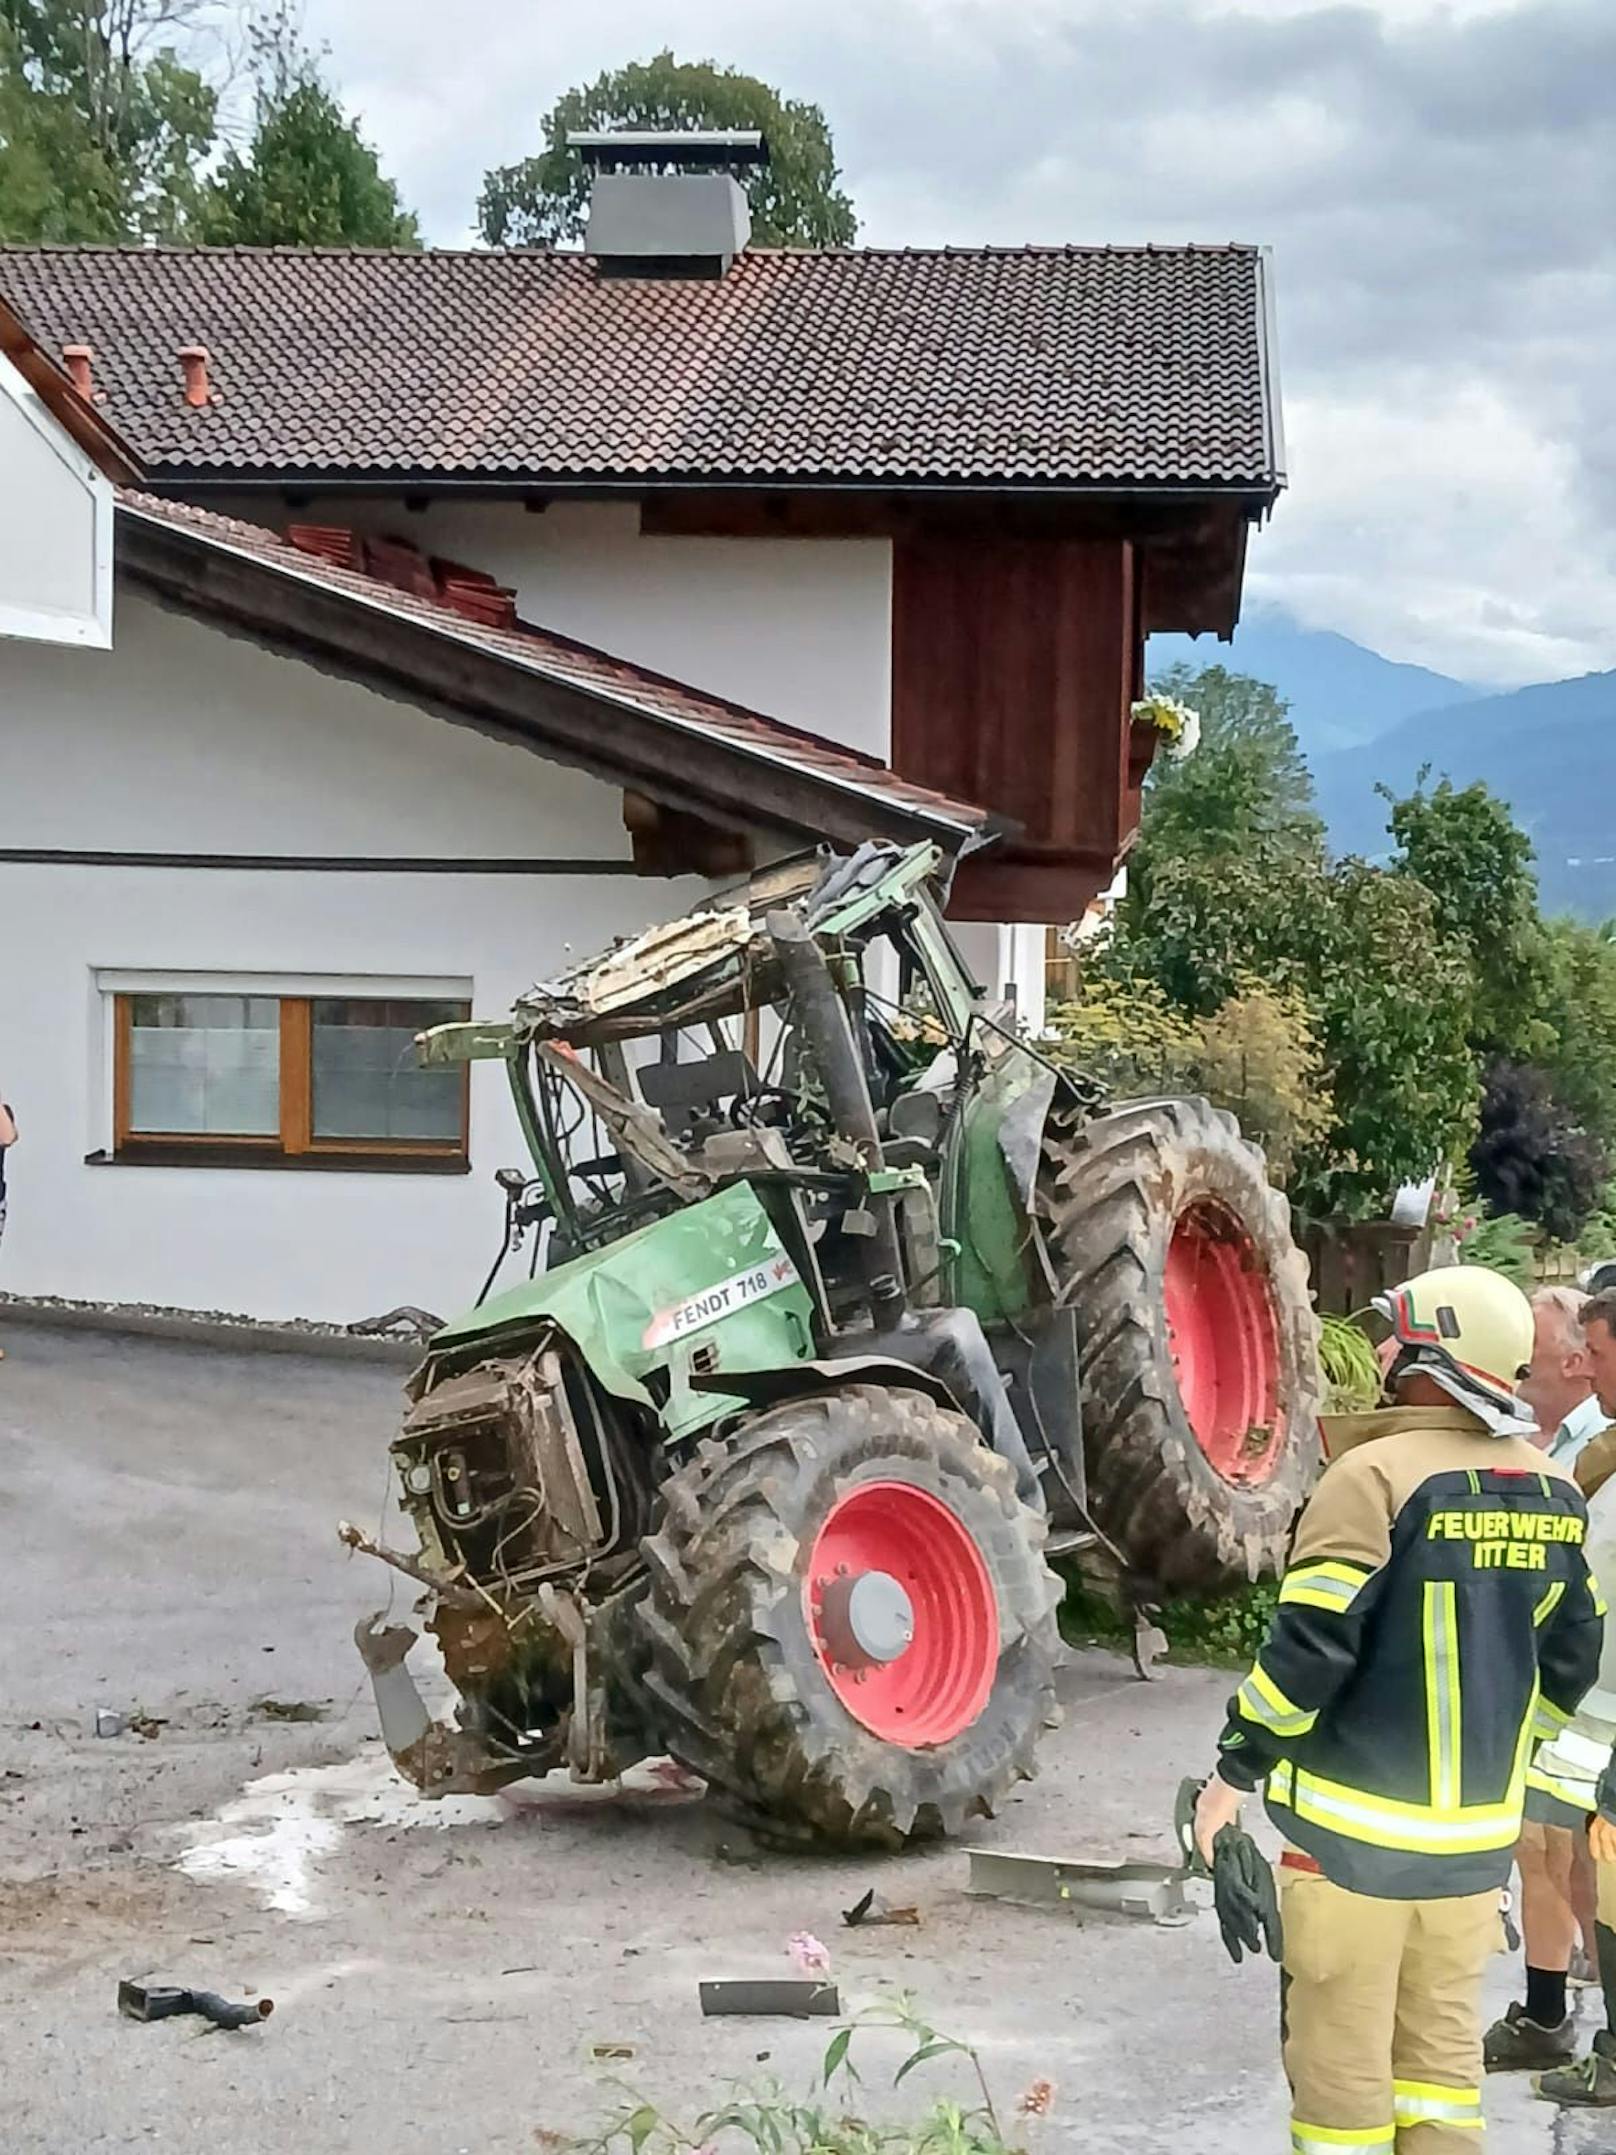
column 1039, row 2100
column 808, row 1956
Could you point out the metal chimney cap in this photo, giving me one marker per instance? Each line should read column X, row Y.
column 693, row 147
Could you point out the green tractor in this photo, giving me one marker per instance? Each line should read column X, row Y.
column 854, row 1309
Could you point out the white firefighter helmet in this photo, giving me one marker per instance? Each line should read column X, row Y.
column 1470, row 1329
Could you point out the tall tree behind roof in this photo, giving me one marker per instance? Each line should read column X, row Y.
column 102, row 124
column 307, row 178
column 796, row 199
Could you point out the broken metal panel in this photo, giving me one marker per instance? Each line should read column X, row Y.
column 794, row 1997
column 435, row 1758
column 663, row 956
column 467, row 1040
column 1156, row 1892
column 638, row 1128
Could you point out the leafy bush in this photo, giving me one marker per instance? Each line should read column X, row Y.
column 1256, row 1055
column 765, row 2117
column 1533, row 1156
column 1503, row 1241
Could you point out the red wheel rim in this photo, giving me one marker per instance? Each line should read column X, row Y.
column 1224, row 1339
column 918, row 1577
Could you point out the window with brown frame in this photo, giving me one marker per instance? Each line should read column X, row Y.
column 309, row 1080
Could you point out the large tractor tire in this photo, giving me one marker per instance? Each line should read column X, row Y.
column 850, row 1623
column 1199, row 1344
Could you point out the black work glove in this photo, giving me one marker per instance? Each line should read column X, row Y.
column 1244, row 1896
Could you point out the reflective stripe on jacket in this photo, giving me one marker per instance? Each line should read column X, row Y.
column 1437, row 1621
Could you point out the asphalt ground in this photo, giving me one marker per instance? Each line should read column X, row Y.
column 444, row 1977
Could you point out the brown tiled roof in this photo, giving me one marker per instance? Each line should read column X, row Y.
column 1110, row 368
column 99, row 441
column 392, row 578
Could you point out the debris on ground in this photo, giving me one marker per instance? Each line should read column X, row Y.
column 163, row 2001
column 799, row 1998
column 148, row 1725
column 109, row 1722
column 603, row 2052
column 870, row 1908
column 1156, row 1892
column 289, row 1709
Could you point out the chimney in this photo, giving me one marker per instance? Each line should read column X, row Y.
column 194, row 359
column 79, row 359
column 668, row 205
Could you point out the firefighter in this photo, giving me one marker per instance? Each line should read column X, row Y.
column 1437, row 1618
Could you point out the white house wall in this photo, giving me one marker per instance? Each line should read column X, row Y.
column 798, row 628
column 186, row 740
column 56, row 557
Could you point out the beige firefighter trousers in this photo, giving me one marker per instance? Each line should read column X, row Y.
column 1383, row 2019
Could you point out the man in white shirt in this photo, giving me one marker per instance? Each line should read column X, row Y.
column 1557, row 1873
column 1560, row 1387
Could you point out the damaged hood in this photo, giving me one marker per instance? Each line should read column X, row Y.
column 714, row 1277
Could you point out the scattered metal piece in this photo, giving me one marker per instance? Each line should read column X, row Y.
column 605, row 2051
column 797, row 1997
column 873, row 1909
column 1155, row 1891
column 109, row 1722
column 162, row 2001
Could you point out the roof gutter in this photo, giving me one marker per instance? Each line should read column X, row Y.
column 1268, row 357
column 178, row 479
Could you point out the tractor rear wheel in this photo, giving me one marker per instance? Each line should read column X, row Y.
column 850, row 1625
column 1198, row 1339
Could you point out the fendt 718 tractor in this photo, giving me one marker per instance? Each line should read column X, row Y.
column 854, row 1308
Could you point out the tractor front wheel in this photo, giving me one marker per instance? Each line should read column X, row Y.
column 850, row 1625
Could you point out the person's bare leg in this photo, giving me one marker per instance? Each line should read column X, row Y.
column 1584, row 1894
column 1538, row 2033
column 1548, row 1918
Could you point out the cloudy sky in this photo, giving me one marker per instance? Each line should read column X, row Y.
column 1437, row 179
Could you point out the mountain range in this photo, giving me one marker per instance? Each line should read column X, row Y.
column 1363, row 720
column 1341, row 694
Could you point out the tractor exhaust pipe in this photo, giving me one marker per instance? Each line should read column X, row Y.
column 819, row 1010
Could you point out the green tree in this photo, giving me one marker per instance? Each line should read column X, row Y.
column 1390, row 988
column 796, row 199
column 308, row 178
column 1245, row 790
column 1231, row 891
column 1476, row 861
column 102, row 126
column 1582, row 1017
